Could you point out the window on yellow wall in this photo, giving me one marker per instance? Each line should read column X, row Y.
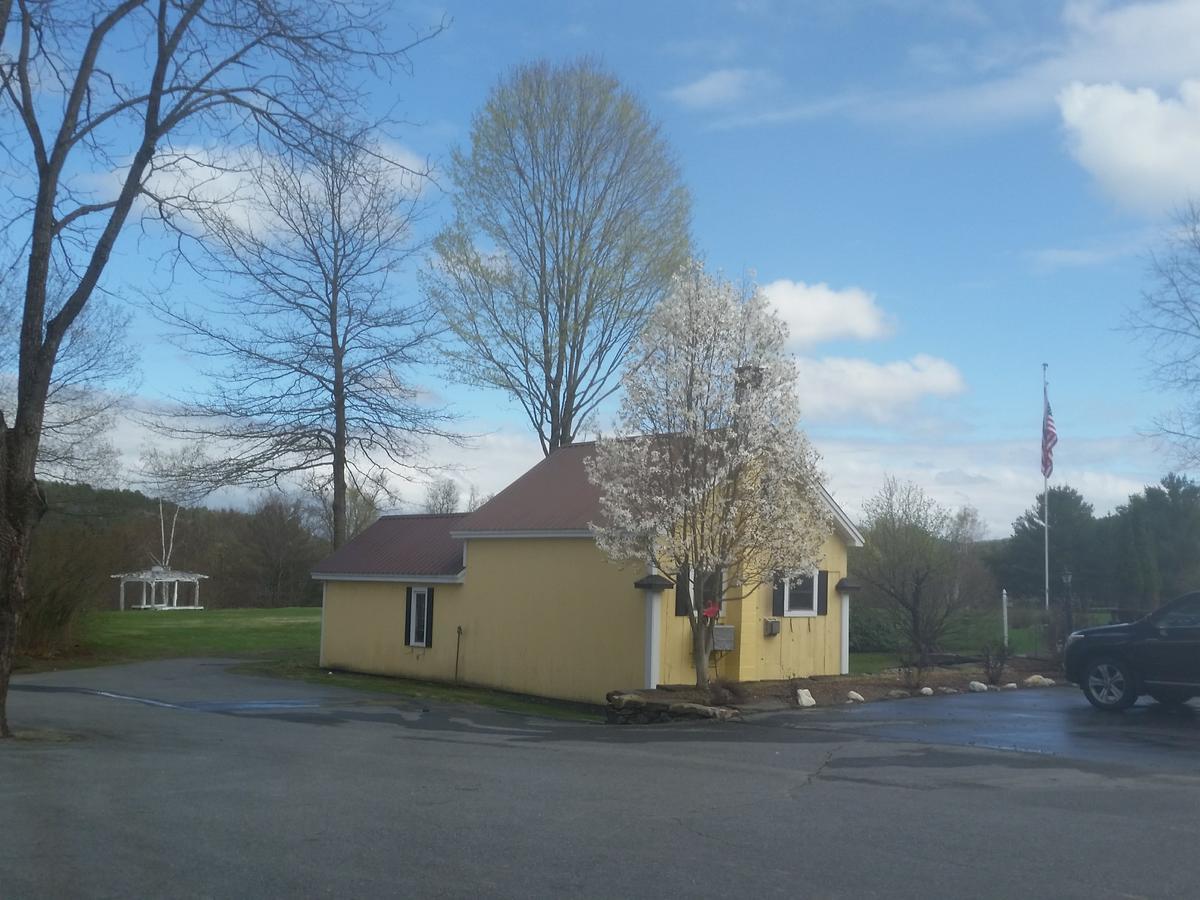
column 804, row 596
column 418, row 617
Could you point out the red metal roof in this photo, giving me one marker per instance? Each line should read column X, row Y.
column 400, row 545
column 555, row 495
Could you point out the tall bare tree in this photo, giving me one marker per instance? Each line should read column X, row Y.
column 570, row 219
column 441, row 497
column 312, row 355
column 92, row 378
column 97, row 95
column 1168, row 320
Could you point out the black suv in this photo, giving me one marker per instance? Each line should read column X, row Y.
column 1158, row 655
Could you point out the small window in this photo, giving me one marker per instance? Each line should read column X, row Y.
column 418, row 620
column 800, row 596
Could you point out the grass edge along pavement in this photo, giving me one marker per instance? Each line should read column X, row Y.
column 277, row 642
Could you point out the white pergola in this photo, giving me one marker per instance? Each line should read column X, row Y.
column 166, row 596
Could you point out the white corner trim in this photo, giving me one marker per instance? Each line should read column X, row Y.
column 845, row 633
column 533, row 533
column 321, row 645
column 411, row 579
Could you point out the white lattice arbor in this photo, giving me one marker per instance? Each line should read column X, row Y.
column 160, row 588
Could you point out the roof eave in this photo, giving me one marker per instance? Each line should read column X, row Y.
column 525, row 533
column 388, row 577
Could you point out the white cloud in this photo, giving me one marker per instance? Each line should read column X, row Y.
column 817, row 312
column 846, row 389
column 722, row 87
column 1140, row 147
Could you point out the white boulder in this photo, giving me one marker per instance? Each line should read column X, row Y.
column 1039, row 681
column 1011, row 686
column 855, row 697
column 926, row 692
column 805, row 698
column 977, row 687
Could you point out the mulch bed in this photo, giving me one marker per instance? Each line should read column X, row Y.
column 831, row 690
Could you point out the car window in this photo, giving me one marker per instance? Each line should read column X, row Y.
column 1184, row 614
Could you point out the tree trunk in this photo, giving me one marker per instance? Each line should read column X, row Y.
column 22, row 507
column 700, row 653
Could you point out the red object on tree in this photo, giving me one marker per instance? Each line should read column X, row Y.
column 711, row 610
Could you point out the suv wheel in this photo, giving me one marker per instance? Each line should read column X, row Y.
column 1108, row 684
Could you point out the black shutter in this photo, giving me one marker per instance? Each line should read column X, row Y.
column 683, row 592
column 777, row 597
column 822, row 593
column 408, row 616
column 429, row 617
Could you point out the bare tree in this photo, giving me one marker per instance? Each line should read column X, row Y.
column 365, row 500
column 709, row 480
column 570, row 219
column 92, row 378
column 477, row 498
column 1168, row 320
column 95, row 97
column 920, row 560
column 313, row 356
column 441, row 497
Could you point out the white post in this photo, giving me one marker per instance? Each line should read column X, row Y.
column 197, row 601
column 1046, row 532
column 845, row 634
column 653, row 660
column 143, row 593
column 1004, row 614
column 122, row 595
column 175, row 596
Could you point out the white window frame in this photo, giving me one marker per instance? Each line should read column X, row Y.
column 787, row 596
column 412, row 625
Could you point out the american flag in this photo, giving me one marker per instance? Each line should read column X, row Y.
column 1049, row 436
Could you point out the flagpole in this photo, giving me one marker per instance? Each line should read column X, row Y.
column 1046, row 504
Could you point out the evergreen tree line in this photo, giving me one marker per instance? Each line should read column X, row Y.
column 1140, row 555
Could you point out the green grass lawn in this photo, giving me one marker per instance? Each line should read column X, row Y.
column 281, row 643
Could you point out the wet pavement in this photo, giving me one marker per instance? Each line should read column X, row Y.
column 1055, row 722
column 183, row 779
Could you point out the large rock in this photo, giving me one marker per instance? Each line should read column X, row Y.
column 947, row 690
column 855, row 697
column 926, row 692
column 1011, row 686
column 1039, row 681
column 977, row 687
column 898, row 694
column 805, row 698
column 627, row 701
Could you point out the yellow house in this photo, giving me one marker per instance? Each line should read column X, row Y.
column 517, row 596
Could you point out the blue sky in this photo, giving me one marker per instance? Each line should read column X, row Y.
column 939, row 197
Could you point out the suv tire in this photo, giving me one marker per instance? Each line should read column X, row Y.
column 1108, row 684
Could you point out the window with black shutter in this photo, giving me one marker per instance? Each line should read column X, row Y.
column 805, row 595
column 418, row 618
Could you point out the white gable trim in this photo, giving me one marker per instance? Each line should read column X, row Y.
column 852, row 535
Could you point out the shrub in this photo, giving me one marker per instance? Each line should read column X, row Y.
column 873, row 631
column 994, row 658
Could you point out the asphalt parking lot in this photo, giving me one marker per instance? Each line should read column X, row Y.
column 181, row 779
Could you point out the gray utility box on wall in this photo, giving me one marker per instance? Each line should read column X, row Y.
column 770, row 627
column 722, row 637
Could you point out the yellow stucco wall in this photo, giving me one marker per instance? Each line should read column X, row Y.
column 541, row 616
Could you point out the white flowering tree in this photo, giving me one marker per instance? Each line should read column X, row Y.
column 708, row 471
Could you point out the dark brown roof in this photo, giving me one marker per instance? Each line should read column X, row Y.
column 400, row 545
column 555, row 495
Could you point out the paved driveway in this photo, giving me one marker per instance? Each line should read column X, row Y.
column 186, row 780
